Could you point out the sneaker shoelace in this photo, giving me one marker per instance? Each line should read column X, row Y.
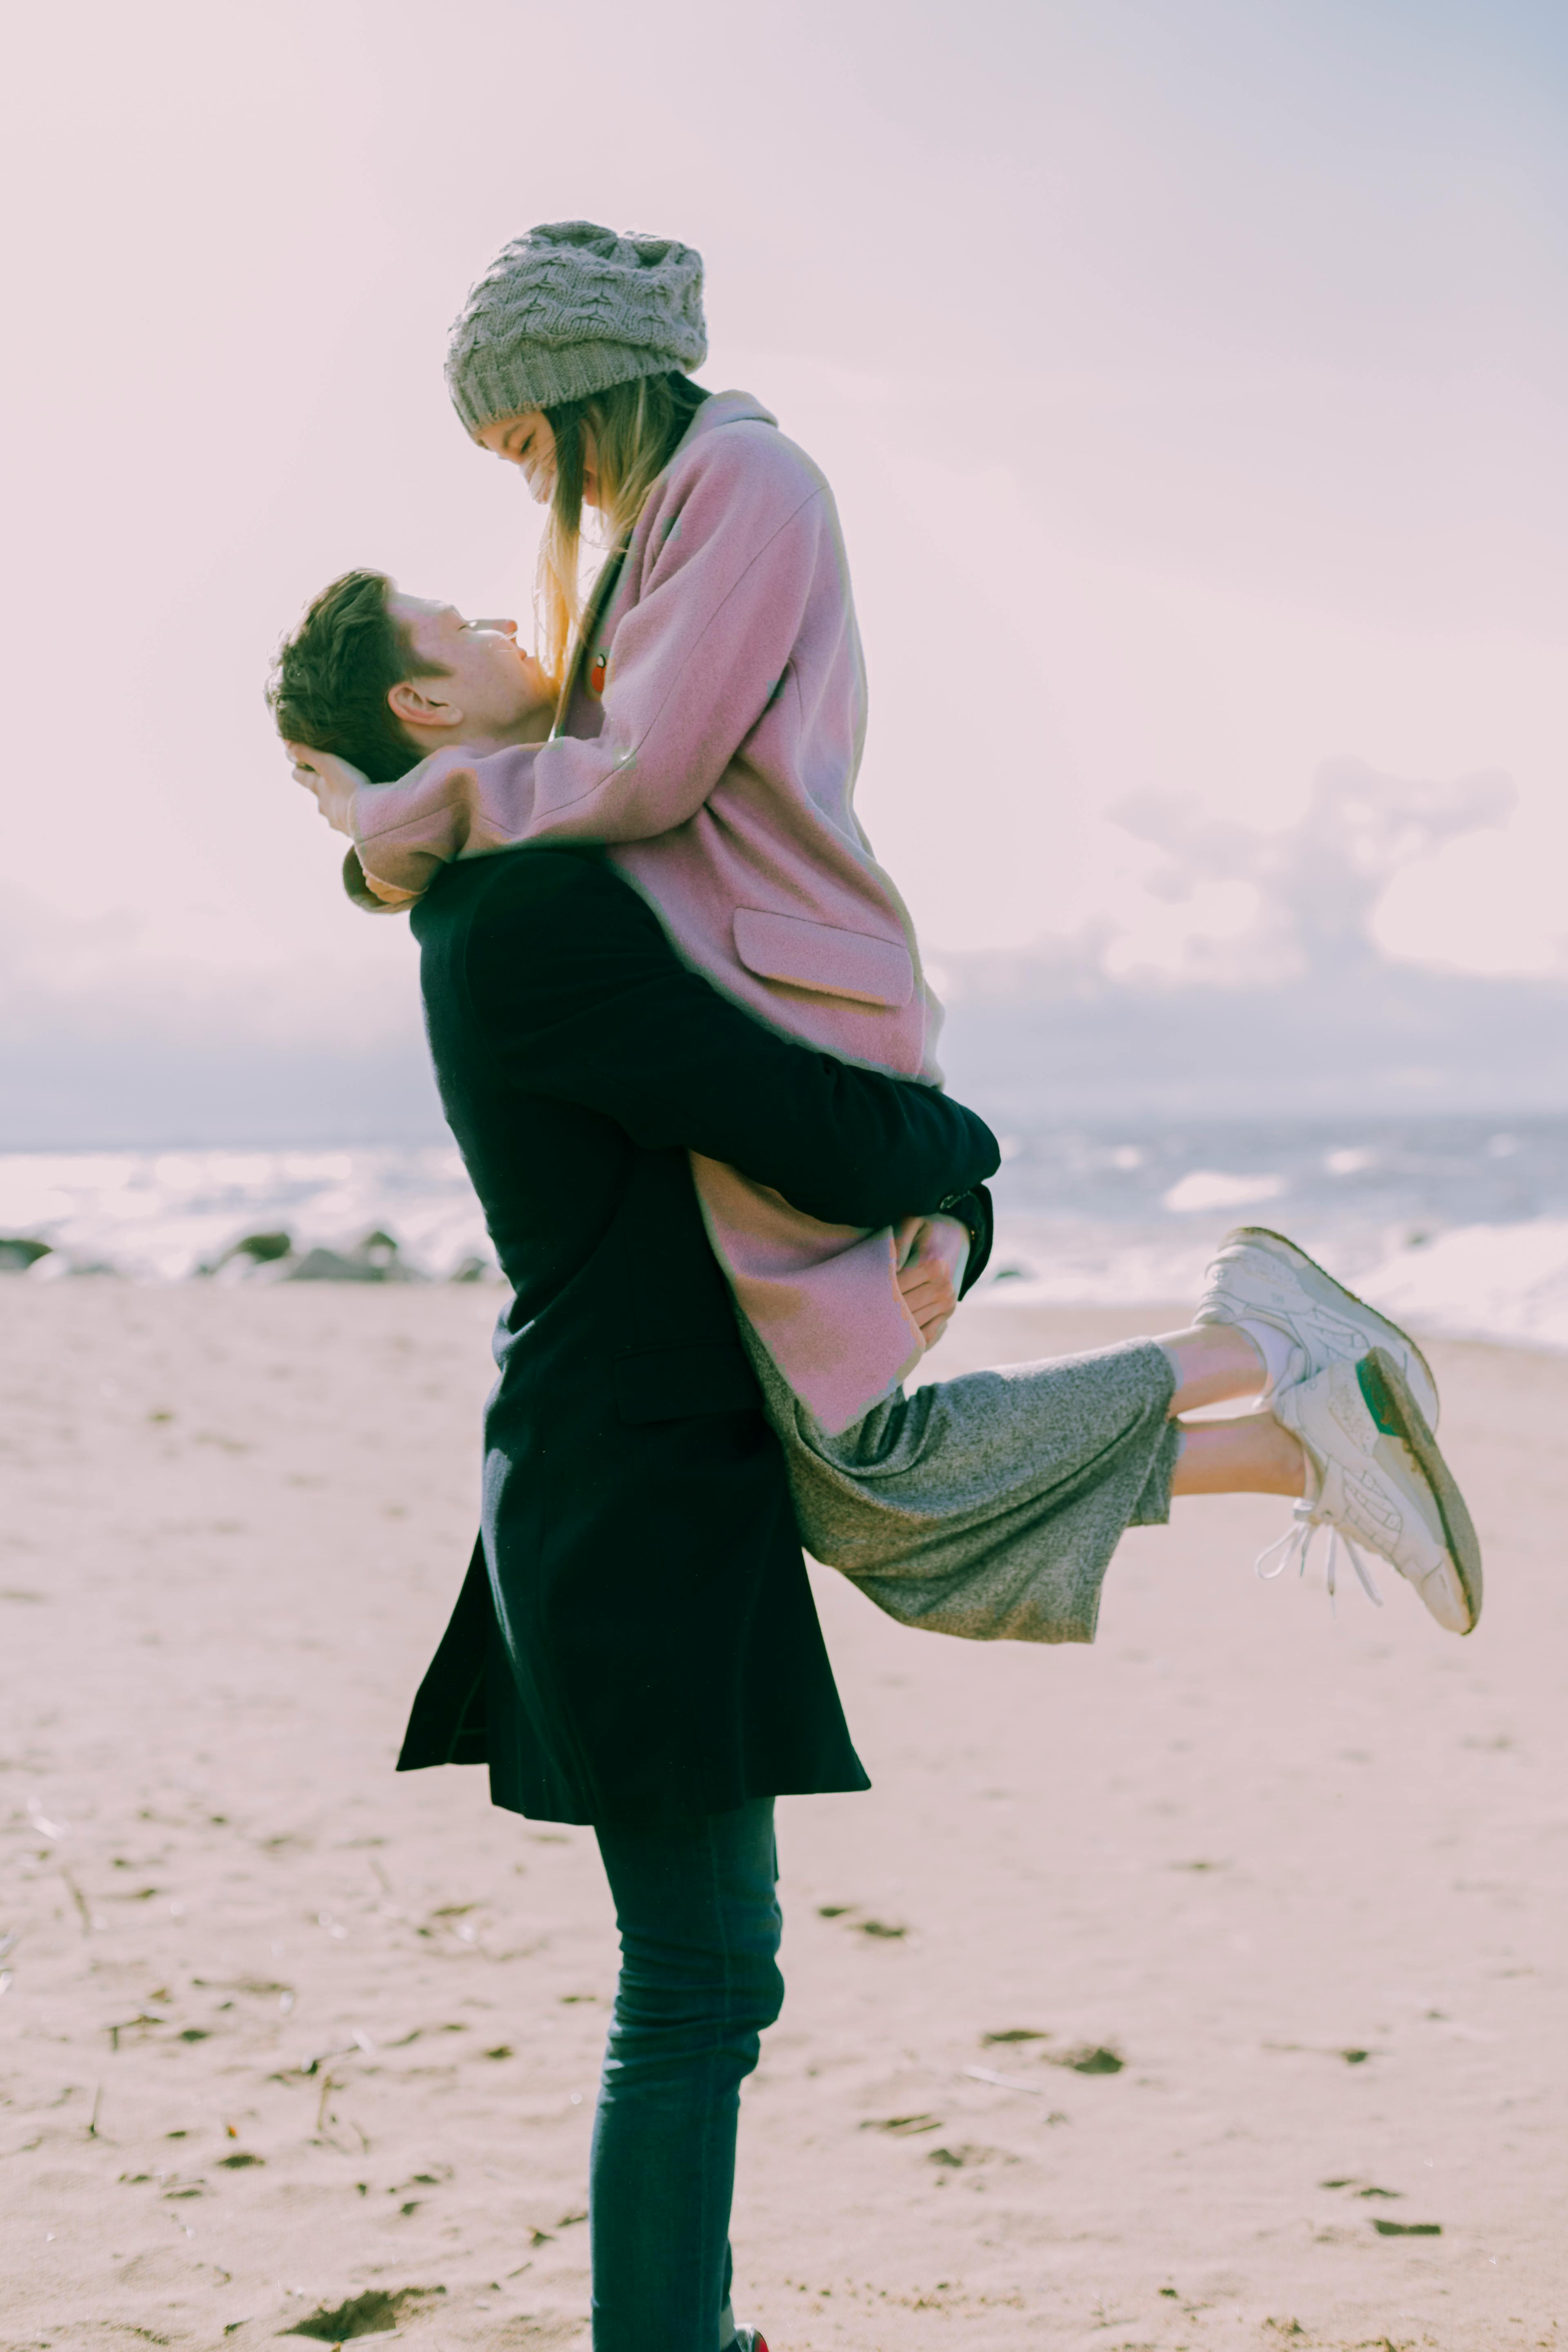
column 1296, row 1543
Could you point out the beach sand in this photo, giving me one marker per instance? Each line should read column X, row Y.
column 284, row 2033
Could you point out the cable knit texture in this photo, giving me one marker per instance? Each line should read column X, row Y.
column 569, row 308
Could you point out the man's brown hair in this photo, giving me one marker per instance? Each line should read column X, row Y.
column 330, row 679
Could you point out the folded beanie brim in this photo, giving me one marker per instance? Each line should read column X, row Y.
column 490, row 385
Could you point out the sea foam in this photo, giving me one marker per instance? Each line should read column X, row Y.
column 1449, row 1230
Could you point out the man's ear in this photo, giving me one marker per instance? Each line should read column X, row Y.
column 412, row 702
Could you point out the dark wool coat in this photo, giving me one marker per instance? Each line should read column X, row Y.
column 637, row 1635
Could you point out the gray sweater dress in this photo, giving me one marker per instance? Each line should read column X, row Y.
column 988, row 1505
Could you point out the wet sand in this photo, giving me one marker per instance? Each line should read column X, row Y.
column 284, row 2033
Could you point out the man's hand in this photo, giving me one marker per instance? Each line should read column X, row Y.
column 331, row 779
column 924, row 1278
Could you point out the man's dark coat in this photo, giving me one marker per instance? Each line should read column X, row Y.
column 637, row 1635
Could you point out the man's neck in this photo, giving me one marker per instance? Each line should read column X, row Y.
column 533, row 728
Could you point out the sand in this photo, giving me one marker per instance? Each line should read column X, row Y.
column 283, row 2032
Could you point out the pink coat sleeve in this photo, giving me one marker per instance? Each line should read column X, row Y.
column 728, row 553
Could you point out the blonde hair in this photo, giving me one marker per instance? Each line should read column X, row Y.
column 636, row 428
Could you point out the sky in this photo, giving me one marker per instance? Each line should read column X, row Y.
column 1191, row 376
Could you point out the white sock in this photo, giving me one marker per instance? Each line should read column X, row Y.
column 1282, row 1360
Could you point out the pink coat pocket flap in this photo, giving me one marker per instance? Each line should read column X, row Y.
column 820, row 957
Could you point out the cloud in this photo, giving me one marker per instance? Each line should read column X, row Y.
column 1268, row 988
column 1299, row 1009
column 1315, row 886
column 105, row 1037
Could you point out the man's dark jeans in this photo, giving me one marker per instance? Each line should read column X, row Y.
column 699, row 1919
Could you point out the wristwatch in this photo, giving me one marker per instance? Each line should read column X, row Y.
column 973, row 1210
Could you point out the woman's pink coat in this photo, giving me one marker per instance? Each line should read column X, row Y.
column 717, row 767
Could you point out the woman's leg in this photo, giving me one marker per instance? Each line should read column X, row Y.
column 990, row 1505
column 1252, row 1457
column 1212, row 1363
column 699, row 1925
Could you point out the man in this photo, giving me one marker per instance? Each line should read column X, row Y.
column 636, row 1644
column 579, row 1061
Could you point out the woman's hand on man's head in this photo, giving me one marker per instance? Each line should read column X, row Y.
column 332, row 782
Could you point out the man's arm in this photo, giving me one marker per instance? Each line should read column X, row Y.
column 581, row 996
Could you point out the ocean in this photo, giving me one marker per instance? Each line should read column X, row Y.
column 1458, row 1225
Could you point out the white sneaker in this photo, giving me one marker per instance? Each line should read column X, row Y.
column 1261, row 1277
column 1375, row 1476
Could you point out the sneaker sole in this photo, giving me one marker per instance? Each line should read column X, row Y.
column 1393, row 1407
column 1280, row 1245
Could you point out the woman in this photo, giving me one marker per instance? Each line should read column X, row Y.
column 708, row 736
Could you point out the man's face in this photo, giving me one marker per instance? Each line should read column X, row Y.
column 486, row 676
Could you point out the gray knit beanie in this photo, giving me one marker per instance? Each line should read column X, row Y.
column 568, row 309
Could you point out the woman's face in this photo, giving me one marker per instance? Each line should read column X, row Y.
column 527, row 441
